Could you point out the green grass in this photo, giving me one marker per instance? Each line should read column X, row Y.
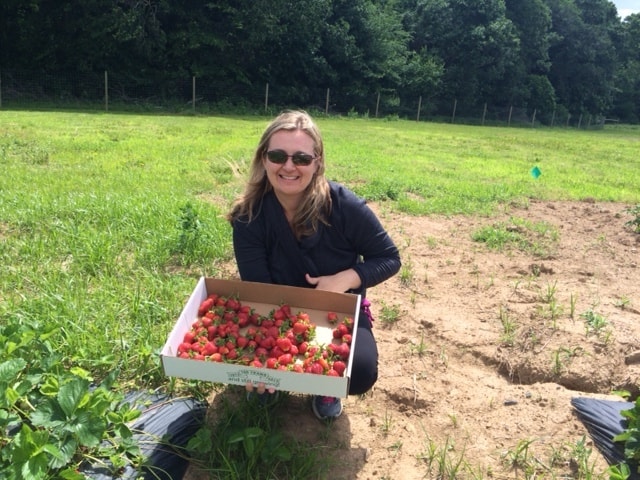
column 107, row 220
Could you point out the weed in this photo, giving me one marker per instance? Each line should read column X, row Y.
column 442, row 462
column 389, row 314
column 387, row 423
column 572, row 307
column 634, row 223
column 561, row 357
column 539, row 239
column 520, row 458
column 406, row 273
column 550, row 293
column 622, row 302
column 419, row 349
column 508, row 327
column 454, row 420
column 594, row 322
column 580, row 455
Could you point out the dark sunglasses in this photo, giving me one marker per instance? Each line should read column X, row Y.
column 281, row 157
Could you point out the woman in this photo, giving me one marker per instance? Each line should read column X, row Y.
column 294, row 227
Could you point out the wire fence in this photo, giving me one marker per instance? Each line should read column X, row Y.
column 113, row 92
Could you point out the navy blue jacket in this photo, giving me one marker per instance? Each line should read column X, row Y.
column 267, row 251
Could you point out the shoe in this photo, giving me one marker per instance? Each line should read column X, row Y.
column 326, row 408
column 263, row 399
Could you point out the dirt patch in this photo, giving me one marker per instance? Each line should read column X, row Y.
column 490, row 346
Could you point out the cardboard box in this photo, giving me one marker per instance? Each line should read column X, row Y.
column 264, row 298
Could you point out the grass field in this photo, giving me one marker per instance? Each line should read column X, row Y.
column 106, row 220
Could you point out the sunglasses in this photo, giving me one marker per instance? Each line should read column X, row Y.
column 281, row 157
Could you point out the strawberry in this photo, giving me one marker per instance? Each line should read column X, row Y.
column 332, row 317
column 299, row 328
column 189, row 337
column 209, row 349
column 339, row 366
column 233, row 304
column 284, row 344
column 272, row 362
column 242, row 341
column 285, row 359
column 205, row 306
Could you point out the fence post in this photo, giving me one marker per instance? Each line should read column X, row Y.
column 266, row 97
column 377, row 103
column 453, row 115
column 533, row 120
column 553, row 117
column 193, row 93
column 568, row 118
column 510, row 112
column 484, row 112
column 326, row 104
column 106, row 91
column 419, row 107
column 580, row 120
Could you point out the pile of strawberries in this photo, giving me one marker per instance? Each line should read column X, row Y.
column 228, row 331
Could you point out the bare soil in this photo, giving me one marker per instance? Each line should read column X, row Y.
column 489, row 347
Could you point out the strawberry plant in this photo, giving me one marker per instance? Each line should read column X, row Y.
column 52, row 419
column 631, row 435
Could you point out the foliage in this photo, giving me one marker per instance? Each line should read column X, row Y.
column 634, row 223
column 247, row 442
column 51, row 417
column 630, row 437
column 539, row 239
column 573, row 53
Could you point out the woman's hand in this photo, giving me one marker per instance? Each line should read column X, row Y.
column 260, row 388
column 340, row 282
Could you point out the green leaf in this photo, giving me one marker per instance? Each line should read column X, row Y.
column 72, row 395
column 36, row 467
column 89, row 429
column 10, row 370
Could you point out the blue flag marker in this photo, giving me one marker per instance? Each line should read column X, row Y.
column 535, row 172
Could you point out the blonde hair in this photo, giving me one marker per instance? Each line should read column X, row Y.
column 316, row 203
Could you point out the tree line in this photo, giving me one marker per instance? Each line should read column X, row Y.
column 548, row 56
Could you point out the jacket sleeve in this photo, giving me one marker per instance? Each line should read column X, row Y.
column 380, row 258
column 250, row 250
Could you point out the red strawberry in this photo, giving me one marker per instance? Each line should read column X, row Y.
column 209, row 348
column 272, row 362
column 205, row 306
column 339, row 366
column 285, row 359
column 242, row 341
column 189, row 337
column 284, row 344
column 332, row 317
column 299, row 328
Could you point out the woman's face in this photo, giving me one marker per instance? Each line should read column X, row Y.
column 289, row 180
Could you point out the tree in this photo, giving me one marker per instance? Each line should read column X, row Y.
column 626, row 105
column 584, row 58
column 475, row 41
